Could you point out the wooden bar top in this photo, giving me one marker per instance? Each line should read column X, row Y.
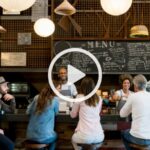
column 61, row 117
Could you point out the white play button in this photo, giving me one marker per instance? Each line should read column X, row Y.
column 74, row 74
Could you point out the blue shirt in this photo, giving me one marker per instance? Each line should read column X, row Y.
column 41, row 126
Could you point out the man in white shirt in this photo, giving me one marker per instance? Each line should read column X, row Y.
column 67, row 89
column 138, row 104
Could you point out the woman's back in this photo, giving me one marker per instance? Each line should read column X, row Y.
column 89, row 117
column 41, row 125
column 89, row 129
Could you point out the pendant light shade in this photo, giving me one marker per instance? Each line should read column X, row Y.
column 139, row 31
column 44, row 27
column 16, row 5
column 65, row 8
column 116, row 7
column 2, row 29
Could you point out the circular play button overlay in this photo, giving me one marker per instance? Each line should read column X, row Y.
column 74, row 74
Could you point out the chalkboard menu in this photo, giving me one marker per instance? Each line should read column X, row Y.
column 114, row 56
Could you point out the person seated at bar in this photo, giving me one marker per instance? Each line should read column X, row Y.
column 89, row 129
column 42, row 113
column 66, row 89
column 5, row 142
column 148, row 86
column 138, row 105
column 121, row 96
column 7, row 101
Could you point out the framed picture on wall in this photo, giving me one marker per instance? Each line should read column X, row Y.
column 13, row 59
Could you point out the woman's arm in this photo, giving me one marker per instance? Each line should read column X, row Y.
column 56, row 105
column 75, row 110
column 31, row 105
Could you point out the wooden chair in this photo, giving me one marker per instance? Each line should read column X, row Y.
column 139, row 147
column 34, row 146
column 93, row 146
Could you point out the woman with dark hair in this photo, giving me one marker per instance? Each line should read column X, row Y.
column 42, row 113
column 121, row 96
column 89, row 129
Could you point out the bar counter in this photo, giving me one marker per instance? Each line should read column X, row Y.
column 109, row 121
column 64, row 126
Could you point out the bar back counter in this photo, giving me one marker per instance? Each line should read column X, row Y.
column 16, row 124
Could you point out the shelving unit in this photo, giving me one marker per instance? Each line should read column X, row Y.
column 94, row 22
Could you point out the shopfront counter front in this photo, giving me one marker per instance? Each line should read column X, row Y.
column 64, row 126
column 109, row 121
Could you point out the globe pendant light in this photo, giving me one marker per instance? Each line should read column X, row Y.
column 116, row 7
column 16, row 5
column 44, row 27
column 65, row 8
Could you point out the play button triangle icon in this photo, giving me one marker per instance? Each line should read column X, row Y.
column 74, row 74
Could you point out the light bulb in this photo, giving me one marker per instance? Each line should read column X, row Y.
column 44, row 27
column 116, row 7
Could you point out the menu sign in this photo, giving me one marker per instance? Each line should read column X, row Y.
column 113, row 56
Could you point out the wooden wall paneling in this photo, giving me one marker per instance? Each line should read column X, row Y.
column 38, row 53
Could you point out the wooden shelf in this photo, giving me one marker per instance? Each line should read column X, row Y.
column 23, row 69
column 99, row 39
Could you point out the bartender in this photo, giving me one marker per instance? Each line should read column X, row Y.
column 121, row 96
column 7, row 101
column 67, row 89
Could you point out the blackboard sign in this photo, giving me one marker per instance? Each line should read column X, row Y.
column 114, row 56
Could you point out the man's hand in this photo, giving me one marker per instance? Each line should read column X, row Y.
column 8, row 97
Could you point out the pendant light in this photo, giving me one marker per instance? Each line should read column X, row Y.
column 116, row 7
column 139, row 30
column 65, row 8
column 44, row 27
column 2, row 29
column 16, row 5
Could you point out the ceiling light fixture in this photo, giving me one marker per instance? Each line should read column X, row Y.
column 44, row 27
column 2, row 29
column 16, row 5
column 65, row 8
column 116, row 7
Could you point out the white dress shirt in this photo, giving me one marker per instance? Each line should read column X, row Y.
column 139, row 105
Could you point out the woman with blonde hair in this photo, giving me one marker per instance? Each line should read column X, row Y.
column 42, row 113
column 89, row 129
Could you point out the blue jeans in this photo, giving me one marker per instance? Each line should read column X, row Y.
column 128, row 138
column 50, row 141
column 6, row 143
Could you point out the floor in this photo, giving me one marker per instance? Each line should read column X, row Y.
column 108, row 145
column 115, row 144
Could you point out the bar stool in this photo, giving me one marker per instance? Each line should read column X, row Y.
column 139, row 147
column 93, row 146
column 28, row 145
